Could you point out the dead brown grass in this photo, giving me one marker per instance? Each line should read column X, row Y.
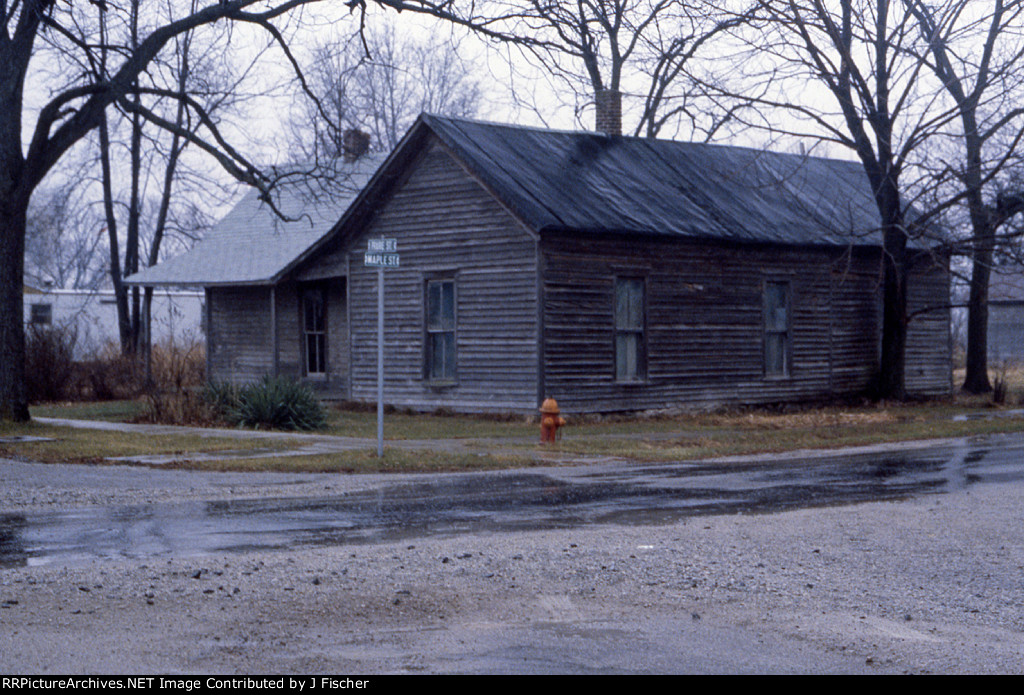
column 812, row 419
column 174, row 394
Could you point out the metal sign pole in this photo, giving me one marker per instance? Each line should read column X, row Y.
column 380, row 254
column 380, row 362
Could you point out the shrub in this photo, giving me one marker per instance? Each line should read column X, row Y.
column 999, row 389
column 273, row 402
column 1001, row 383
column 177, row 408
column 222, row 396
column 49, row 369
column 178, row 364
column 108, row 375
column 174, row 394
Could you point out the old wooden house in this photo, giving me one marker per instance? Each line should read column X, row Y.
column 611, row 273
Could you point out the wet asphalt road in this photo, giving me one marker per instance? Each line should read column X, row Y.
column 447, row 505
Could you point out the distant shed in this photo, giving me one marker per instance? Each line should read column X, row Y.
column 612, row 273
column 1006, row 317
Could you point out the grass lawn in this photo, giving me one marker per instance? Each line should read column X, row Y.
column 362, row 422
column 55, row 444
column 762, row 432
column 479, row 442
column 110, row 411
column 365, row 461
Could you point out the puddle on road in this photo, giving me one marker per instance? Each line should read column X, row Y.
column 452, row 504
column 988, row 415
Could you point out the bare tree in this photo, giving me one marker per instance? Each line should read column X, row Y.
column 121, row 268
column 142, row 194
column 645, row 51
column 75, row 105
column 64, row 241
column 379, row 83
column 846, row 73
column 976, row 52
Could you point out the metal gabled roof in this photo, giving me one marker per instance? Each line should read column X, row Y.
column 552, row 180
column 595, row 183
column 253, row 245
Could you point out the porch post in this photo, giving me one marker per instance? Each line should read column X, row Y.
column 273, row 330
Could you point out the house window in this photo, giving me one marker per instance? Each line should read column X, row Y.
column 42, row 315
column 440, row 324
column 776, row 328
column 314, row 330
column 630, row 347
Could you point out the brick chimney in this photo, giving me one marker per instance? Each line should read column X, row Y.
column 354, row 144
column 609, row 111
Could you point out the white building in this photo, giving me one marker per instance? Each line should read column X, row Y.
column 176, row 314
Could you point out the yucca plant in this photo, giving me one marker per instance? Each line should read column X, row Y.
column 222, row 397
column 277, row 403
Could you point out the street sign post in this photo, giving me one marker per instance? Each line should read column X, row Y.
column 381, row 253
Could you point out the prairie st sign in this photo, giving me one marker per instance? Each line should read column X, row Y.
column 381, row 253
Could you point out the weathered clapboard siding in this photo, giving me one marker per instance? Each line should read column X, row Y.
column 239, row 337
column 337, row 339
column 855, row 328
column 447, row 225
column 929, row 339
column 289, row 330
column 704, row 318
column 244, row 348
column 290, row 337
column 704, row 323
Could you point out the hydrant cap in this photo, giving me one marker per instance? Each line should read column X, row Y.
column 550, row 405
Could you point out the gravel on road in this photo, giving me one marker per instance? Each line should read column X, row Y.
column 927, row 585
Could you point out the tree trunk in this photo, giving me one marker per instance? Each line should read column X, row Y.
column 892, row 363
column 976, row 379
column 983, row 227
column 13, row 396
column 131, row 248
column 120, row 295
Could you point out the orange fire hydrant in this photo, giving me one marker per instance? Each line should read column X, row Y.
column 550, row 420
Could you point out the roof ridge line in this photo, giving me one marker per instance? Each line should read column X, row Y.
column 597, row 134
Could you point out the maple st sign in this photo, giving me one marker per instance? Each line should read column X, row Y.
column 381, row 253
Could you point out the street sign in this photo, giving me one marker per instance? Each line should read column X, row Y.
column 381, row 260
column 381, row 253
